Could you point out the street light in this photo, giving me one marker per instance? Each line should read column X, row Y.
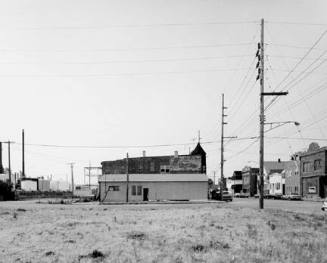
column 279, row 124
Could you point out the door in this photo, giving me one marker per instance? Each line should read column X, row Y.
column 145, row 194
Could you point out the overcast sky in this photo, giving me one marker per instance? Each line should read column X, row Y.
column 124, row 73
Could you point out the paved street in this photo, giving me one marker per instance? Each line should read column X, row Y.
column 295, row 206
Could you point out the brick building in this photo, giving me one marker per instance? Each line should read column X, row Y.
column 313, row 172
column 154, row 178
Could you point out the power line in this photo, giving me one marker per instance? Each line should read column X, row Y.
column 130, row 61
column 296, row 23
column 116, row 75
column 102, row 27
column 129, row 48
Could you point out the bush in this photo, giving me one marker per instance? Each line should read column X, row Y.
column 6, row 192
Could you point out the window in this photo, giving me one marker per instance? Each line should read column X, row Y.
column 113, row 188
column 277, row 186
column 164, row 169
column 152, row 166
column 133, row 189
column 312, row 190
column 317, row 164
column 139, row 190
column 306, row 167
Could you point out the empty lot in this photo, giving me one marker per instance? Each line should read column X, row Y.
column 215, row 232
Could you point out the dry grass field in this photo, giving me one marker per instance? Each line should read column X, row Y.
column 32, row 232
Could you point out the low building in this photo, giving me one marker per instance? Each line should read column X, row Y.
column 29, row 184
column 153, row 187
column 249, row 180
column 59, row 185
column 313, row 172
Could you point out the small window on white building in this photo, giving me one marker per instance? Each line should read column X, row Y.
column 139, row 190
column 133, row 189
column 164, row 169
column 113, row 188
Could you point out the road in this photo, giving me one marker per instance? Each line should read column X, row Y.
column 294, row 206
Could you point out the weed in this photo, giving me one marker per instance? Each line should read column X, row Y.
column 136, row 236
column 252, row 231
column 199, row 248
column 96, row 254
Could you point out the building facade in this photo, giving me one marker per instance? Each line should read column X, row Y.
column 277, row 184
column 249, row 180
column 313, row 173
column 236, row 182
column 154, row 178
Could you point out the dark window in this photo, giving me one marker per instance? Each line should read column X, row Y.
column 133, row 189
column 114, row 188
column 317, row 164
column 139, row 190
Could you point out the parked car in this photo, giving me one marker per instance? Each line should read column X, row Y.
column 227, row 196
column 237, row 195
column 324, row 205
column 292, row 197
column 244, row 195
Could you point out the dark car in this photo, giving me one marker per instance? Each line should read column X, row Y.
column 225, row 197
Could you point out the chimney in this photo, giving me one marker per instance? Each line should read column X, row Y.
column 1, row 166
column 176, row 154
column 144, row 153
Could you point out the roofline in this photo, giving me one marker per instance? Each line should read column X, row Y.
column 322, row 149
column 145, row 157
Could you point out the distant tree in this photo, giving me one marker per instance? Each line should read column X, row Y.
column 6, row 192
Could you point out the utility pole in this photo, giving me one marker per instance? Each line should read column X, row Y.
column 214, row 178
column 9, row 160
column 72, row 175
column 262, row 115
column 89, row 174
column 127, row 178
column 222, row 160
column 23, row 154
column 261, row 70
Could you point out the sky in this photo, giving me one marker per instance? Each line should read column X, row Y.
column 113, row 75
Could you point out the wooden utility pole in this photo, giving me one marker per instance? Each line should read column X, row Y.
column 262, row 116
column 9, row 160
column 89, row 175
column 222, row 160
column 72, row 175
column 222, row 146
column 262, row 112
column 23, row 154
column 127, row 178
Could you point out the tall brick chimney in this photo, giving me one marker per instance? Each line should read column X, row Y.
column 1, row 166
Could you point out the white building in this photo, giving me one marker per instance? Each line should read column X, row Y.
column 153, row 187
column 277, row 184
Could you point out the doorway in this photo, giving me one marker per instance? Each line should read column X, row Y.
column 145, row 194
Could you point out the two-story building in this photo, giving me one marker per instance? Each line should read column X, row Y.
column 155, row 178
column 313, row 172
column 249, row 180
column 236, row 182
